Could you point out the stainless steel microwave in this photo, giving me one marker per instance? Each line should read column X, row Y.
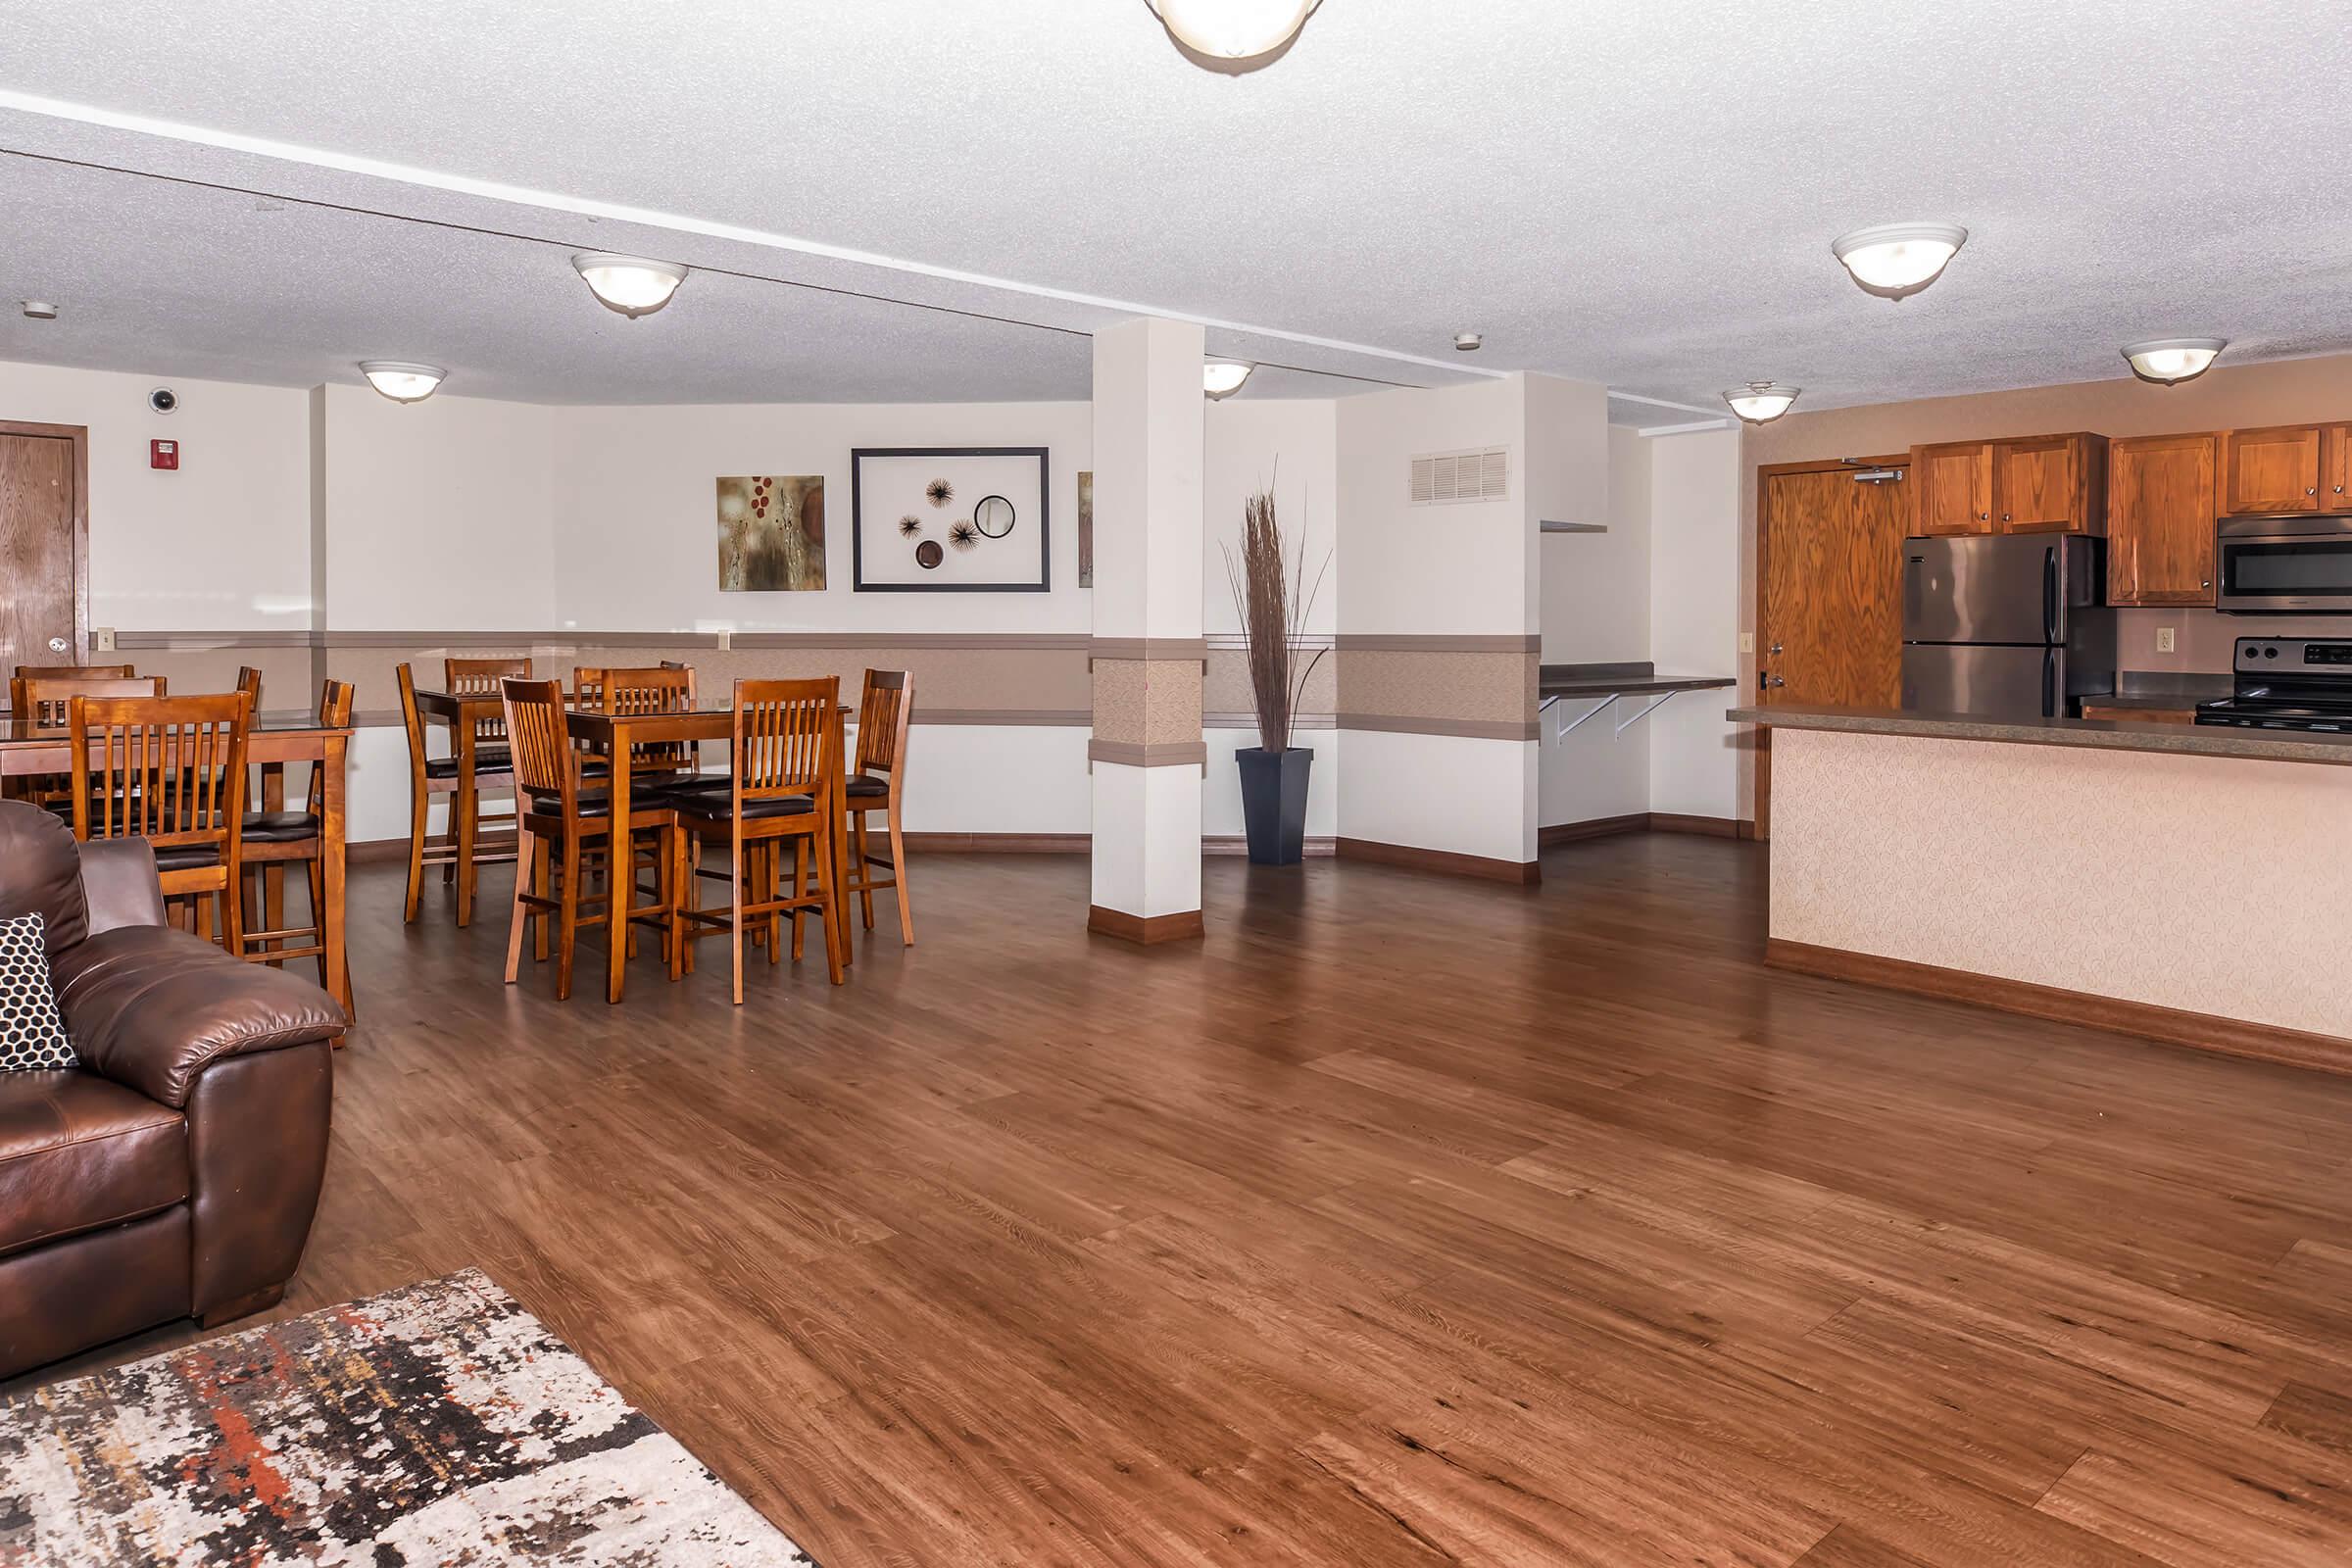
column 2284, row 565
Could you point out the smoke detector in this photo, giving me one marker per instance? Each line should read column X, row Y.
column 1467, row 342
column 39, row 310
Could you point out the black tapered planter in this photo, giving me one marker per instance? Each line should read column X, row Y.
column 1274, row 803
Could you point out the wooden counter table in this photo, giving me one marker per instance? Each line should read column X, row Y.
column 275, row 740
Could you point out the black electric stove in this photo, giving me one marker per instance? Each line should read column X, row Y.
column 2286, row 683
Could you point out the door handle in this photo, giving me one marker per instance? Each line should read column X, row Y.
column 2049, row 594
column 1765, row 683
column 2049, row 683
column 57, row 645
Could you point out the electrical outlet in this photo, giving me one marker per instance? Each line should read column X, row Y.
column 2167, row 639
column 1747, row 642
column 102, row 640
column 726, row 639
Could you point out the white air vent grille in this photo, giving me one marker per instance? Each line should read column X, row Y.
column 1481, row 474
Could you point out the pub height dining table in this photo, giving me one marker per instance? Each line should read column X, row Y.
column 272, row 741
column 612, row 735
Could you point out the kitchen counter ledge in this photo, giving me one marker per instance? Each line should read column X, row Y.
column 2180, row 740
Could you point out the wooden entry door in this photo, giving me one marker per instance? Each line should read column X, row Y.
column 44, row 545
column 1830, row 621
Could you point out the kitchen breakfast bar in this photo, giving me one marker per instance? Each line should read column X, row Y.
column 2189, row 883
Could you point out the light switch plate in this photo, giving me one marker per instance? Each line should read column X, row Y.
column 102, row 640
column 2167, row 639
column 1747, row 642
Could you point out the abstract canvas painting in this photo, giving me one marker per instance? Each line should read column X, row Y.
column 1086, row 528
column 771, row 535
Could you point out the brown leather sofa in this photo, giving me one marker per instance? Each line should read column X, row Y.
column 174, row 1173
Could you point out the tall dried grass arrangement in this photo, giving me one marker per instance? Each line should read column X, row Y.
column 1272, row 597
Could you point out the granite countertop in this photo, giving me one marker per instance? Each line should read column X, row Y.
column 1627, row 679
column 2189, row 740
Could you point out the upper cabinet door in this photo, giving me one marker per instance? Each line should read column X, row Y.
column 2051, row 484
column 2335, row 468
column 2271, row 470
column 1952, row 484
column 2160, row 514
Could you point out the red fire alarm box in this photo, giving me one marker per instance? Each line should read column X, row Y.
column 163, row 453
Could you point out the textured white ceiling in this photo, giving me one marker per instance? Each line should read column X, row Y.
column 1637, row 194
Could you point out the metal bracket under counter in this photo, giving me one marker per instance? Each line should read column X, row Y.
column 1561, row 683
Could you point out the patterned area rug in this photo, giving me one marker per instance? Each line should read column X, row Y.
column 440, row 1424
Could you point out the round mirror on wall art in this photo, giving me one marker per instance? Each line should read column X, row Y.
column 993, row 517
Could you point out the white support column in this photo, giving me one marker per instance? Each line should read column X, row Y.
column 1146, row 753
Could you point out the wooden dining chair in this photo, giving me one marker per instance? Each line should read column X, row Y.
column 269, row 842
column 171, row 771
column 76, row 671
column 430, row 775
column 879, row 784
column 783, row 785
column 478, row 677
column 565, row 827
column 248, row 681
column 43, row 701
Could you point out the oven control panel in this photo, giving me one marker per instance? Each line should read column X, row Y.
column 2295, row 652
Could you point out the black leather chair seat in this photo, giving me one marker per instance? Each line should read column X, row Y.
column 864, row 786
column 186, row 856
column 280, row 827
column 719, row 805
column 79, row 1152
column 486, row 760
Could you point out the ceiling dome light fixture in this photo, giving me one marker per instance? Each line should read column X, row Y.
column 1893, row 260
column 629, row 284
column 2167, row 360
column 1222, row 378
column 402, row 381
column 1761, row 402
column 1233, row 36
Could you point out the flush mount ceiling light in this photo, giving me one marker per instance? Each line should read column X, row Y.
column 1892, row 260
column 400, row 381
column 1761, row 402
column 1222, row 378
column 629, row 284
column 2173, row 359
column 37, row 309
column 1233, row 35
column 1467, row 342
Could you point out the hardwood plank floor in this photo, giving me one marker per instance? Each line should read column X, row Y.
column 1402, row 1220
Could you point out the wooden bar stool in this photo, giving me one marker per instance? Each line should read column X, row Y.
column 481, row 752
column 171, row 771
column 430, row 775
column 564, row 826
column 879, row 784
column 273, row 840
column 783, row 784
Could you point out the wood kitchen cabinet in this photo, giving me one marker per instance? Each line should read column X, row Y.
column 1951, row 488
column 2275, row 469
column 2335, row 467
column 2160, row 514
column 2028, row 484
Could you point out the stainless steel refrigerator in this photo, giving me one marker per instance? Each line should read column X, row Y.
column 2006, row 627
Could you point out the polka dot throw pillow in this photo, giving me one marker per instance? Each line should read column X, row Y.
column 32, row 1032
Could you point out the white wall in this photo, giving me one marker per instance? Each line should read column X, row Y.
column 440, row 514
column 1597, row 610
column 1291, row 446
column 634, row 507
column 221, row 544
column 1694, row 619
column 1662, row 585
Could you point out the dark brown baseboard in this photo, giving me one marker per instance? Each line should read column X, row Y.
column 1720, row 828
column 1001, row 843
column 1144, row 930
column 1446, row 862
column 2204, row 1031
column 1237, row 844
